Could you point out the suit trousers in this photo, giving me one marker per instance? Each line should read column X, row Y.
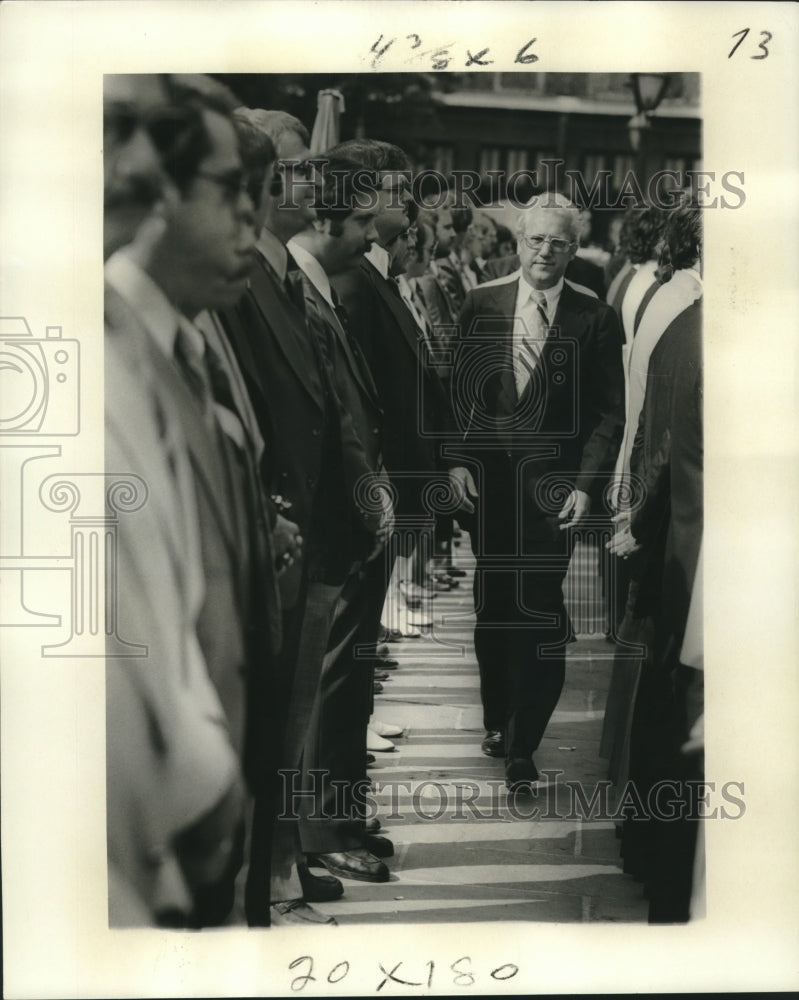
column 520, row 635
column 335, row 752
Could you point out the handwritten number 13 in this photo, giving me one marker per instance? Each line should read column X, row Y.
column 762, row 45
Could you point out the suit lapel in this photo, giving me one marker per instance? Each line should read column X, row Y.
column 287, row 325
column 396, row 307
column 359, row 372
column 503, row 305
column 207, row 462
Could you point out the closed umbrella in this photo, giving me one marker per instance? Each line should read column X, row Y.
column 329, row 107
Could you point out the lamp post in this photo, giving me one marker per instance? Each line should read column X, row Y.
column 648, row 90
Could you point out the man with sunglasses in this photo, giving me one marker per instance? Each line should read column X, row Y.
column 539, row 399
column 194, row 255
column 174, row 792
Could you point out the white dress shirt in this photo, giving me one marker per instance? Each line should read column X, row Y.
column 313, row 270
column 380, row 257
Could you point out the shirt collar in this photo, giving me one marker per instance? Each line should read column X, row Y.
column 313, row 269
column 380, row 257
column 552, row 295
column 156, row 313
column 274, row 252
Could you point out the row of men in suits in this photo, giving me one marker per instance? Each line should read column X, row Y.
column 656, row 698
column 263, row 381
column 276, row 390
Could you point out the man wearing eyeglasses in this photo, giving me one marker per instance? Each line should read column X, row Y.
column 538, row 396
column 192, row 256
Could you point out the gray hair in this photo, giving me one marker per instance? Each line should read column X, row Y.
column 273, row 124
column 553, row 202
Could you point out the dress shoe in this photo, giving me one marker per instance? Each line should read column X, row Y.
column 357, row 863
column 375, row 742
column 455, row 571
column 381, row 847
column 372, row 825
column 381, row 675
column 370, row 759
column 386, row 663
column 296, row 911
column 319, row 888
column 385, row 728
column 418, row 619
column 494, row 744
column 521, row 775
column 377, row 687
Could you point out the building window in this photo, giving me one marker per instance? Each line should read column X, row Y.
column 490, row 159
column 443, row 159
column 622, row 166
column 517, row 160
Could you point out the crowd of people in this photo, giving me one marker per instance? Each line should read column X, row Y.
column 321, row 384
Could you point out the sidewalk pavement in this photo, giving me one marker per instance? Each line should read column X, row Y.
column 463, row 852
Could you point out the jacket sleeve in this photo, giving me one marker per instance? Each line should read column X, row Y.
column 604, row 402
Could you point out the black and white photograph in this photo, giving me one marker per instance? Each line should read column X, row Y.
column 356, row 561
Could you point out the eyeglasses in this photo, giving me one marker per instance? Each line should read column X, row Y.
column 537, row 241
column 121, row 119
column 232, row 182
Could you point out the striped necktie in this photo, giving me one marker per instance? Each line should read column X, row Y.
column 534, row 325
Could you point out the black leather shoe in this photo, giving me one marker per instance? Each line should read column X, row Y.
column 381, row 675
column 357, row 863
column 520, row 775
column 386, row 663
column 381, row 847
column 454, row 571
column 494, row 744
column 372, row 825
column 319, row 888
column 370, row 758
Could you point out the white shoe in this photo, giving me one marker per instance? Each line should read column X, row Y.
column 374, row 741
column 385, row 728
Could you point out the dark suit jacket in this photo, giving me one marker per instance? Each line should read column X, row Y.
column 410, row 392
column 668, row 456
column 361, row 411
column 567, row 426
column 581, row 271
column 314, row 457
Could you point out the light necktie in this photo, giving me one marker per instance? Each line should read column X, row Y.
column 534, row 324
column 195, row 373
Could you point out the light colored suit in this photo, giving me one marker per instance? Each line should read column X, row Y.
column 169, row 755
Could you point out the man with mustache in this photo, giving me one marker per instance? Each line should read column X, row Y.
column 194, row 255
column 316, row 460
column 332, row 830
column 173, row 792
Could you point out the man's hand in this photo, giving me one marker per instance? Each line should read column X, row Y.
column 386, row 525
column 287, row 543
column 462, row 483
column 623, row 542
column 576, row 509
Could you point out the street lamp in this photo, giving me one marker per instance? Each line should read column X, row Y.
column 648, row 90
